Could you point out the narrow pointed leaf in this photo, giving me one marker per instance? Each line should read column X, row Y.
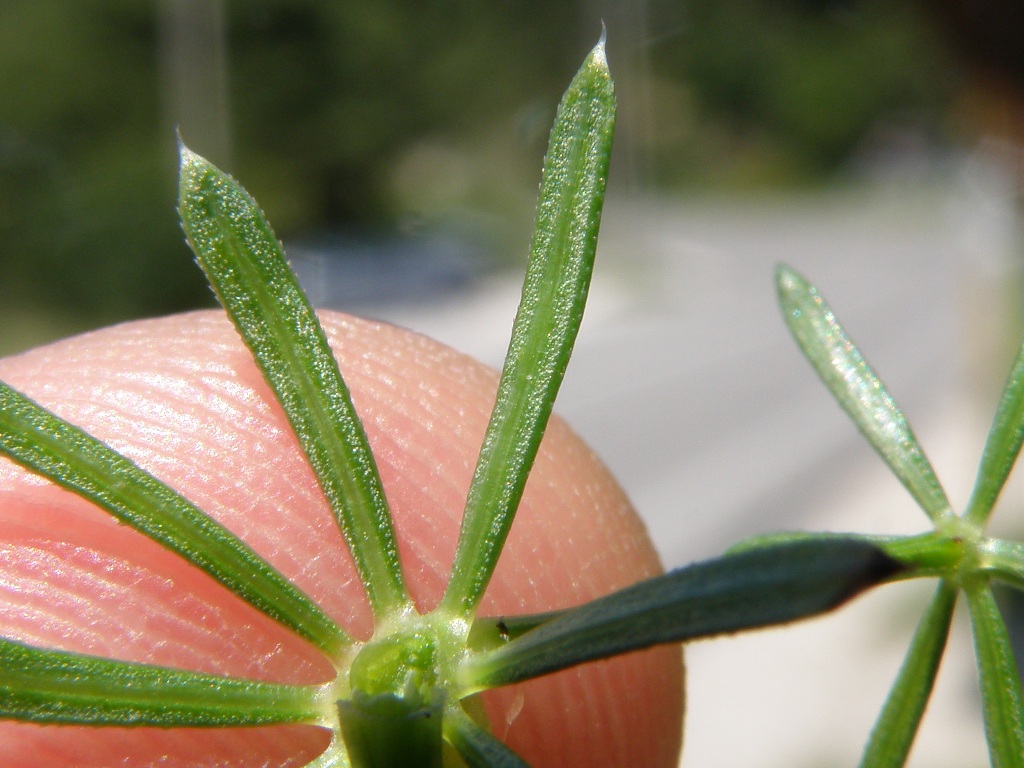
column 554, row 294
column 1001, row 447
column 1000, row 681
column 476, row 746
column 44, row 686
column 63, row 453
column 747, row 590
column 858, row 389
column 900, row 718
column 245, row 265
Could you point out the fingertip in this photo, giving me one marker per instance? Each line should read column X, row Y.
column 182, row 397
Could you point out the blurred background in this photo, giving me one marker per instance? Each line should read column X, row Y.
column 362, row 125
column 396, row 147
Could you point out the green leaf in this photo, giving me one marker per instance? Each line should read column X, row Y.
column 900, row 718
column 44, row 686
column 999, row 678
column 550, row 311
column 476, row 746
column 859, row 391
column 747, row 590
column 1001, row 447
column 245, row 265
column 61, row 452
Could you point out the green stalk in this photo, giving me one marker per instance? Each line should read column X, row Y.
column 549, row 316
column 388, row 731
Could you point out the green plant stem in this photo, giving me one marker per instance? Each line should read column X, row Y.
column 384, row 731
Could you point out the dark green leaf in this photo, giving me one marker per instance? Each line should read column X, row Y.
column 554, row 295
column 245, row 265
column 858, row 389
column 747, row 590
column 899, row 720
column 45, row 686
column 1000, row 680
column 61, row 452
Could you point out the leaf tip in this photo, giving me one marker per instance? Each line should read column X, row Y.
column 787, row 279
column 187, row 159
column 598, row 56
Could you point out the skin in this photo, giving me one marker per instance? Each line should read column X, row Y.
column 182, row 397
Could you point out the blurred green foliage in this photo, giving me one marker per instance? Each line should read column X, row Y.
column 370, row 113
column 790, row 91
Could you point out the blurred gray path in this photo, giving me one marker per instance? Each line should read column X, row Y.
column 685, row 379
column 686, row 382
